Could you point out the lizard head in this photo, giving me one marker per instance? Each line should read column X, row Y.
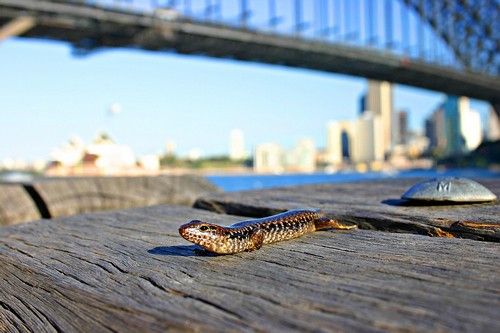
column 201, row 233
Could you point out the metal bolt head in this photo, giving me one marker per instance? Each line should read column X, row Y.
column 449, row 189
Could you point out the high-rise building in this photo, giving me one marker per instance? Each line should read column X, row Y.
column 453, row 128
column 269, row 158
column 470, row 128
column 440, row 129
column 430, row 132
column 402, row 128
column 452, row 107
column 493, row 132
column 362, row 104
column 339, row 140
column 302, row 158
column 435, row 130
column 379, row 101
column 367, row 145
column 237, row 145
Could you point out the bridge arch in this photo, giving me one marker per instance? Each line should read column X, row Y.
column 322, row 40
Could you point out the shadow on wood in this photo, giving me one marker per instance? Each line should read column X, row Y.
column 181, row 250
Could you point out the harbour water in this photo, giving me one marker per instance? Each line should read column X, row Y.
column 240, row 182
column 231, row 183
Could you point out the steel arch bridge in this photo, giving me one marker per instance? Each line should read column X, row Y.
column 449, row 45
column 470, row 28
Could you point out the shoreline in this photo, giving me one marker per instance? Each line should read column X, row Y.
column 22, row 175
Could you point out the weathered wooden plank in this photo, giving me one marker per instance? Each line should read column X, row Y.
column 70, row 196
column 130, row 271
column 16, row 206
column 372, row 205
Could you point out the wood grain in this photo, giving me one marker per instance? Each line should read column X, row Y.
column 371, row 205
column 69, row 196
column 72, row 195
column 129, row 271
column 16, row 206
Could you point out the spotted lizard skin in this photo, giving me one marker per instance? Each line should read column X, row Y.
column 250, row 235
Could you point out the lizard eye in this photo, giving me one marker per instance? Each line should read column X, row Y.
column 203, row 228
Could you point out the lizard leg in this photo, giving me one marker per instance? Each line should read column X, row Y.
column 256, row 239
column 328, row 223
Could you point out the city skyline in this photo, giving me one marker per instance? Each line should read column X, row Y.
column 355, row 144
column 177, row 98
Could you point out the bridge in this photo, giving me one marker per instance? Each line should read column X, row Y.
column 449, row 46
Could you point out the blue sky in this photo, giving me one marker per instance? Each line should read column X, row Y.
column 48, row 95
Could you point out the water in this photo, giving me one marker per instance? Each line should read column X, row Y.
column 16, row 177
column 231, row 183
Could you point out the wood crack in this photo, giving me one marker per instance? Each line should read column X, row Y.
column 183, row 294
column 214, row 305
column 331, row 281
column 366, row 205
column 16, row 315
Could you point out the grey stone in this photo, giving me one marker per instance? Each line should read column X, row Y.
column 449, row 189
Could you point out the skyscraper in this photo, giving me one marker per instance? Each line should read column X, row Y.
column 430, row 132
column 367, row 145
column 268, row 158
column 454, row 128
column 435, row 130
column 236, row 145
column 453, row 107
column 362, row 104
column 339, row 146
column 439, row 119
column 493, row 125
column 470, row 128
column 379, row 101
column 402, row 128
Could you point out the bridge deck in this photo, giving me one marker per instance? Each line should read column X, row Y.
column 130, row 271
column 92, row 27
